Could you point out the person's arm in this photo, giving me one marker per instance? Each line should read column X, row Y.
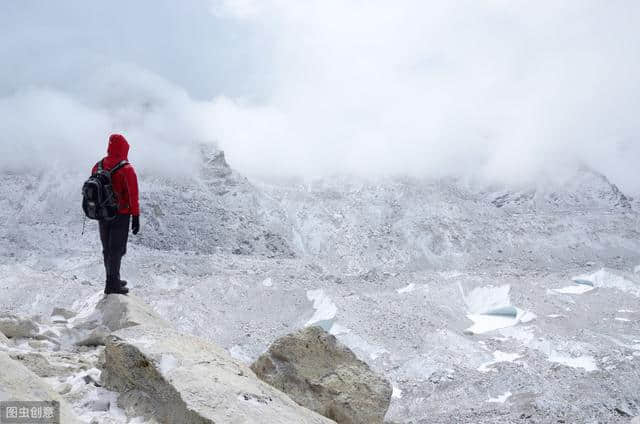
column 131, row 179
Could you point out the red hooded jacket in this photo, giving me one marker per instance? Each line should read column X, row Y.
column 125, row 180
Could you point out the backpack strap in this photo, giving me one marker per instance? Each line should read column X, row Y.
column 120, row 164
column 99, row 165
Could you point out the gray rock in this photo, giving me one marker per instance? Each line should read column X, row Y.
column 65, row 313
column 13, row 326
column 116, row 312
column 100, row 404
column 94, row 337
column 322, row 374
column 112, row 313
column 64, row 388
column 18, row 383
column 3, row 339
column 126, row 311
column 184, row 380
column 38, row 364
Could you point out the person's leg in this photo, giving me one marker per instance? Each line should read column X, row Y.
column 120, row 236
column 104, row 227
column 119, row 233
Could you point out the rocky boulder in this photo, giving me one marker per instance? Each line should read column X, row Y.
column 115, row 312
column 38, row 364
column 324, row 375
column 103, row 314
column 18, row 383
column 13, row 326
column 181, row 379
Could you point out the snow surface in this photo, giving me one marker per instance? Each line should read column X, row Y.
column 167, row 364
column 498, row 357
column 492, row 310
column 396, row 392
column 575, row 289
column 585, row 362
column 411, row 287
column 325, row 309
column 606, row 278
column 500, row 399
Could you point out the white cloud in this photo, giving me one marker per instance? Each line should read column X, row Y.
column 498, row 89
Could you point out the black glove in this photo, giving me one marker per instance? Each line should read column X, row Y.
column 135, row 224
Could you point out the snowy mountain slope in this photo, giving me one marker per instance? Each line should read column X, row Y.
column 399, row 269
column 348, row 225
column 361, row 225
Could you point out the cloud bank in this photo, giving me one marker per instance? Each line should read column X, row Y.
column 497, row 90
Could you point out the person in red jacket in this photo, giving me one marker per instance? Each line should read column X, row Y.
column 114, row 234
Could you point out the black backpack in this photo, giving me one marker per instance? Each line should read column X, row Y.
column 98, row 199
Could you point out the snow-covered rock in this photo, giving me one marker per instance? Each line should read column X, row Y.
column 116, row 312
column 20, row 384
column 14, row 326
column 3, row 339
column 182, row 379
column 324, row 375
column 111, row 313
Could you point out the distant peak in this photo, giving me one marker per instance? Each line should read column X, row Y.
column 214, row 163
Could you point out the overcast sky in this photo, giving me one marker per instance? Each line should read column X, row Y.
column 502, row 90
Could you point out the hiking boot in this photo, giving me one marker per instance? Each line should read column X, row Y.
column 115, row 288
column 123, row 283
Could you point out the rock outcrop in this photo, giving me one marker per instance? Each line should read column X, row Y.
column 324, row 375
column 14, row 326
column 162, row 375
column 38, row 364
column 181, row 379
column 116, row 312
column 105, row 314
column 20, row 384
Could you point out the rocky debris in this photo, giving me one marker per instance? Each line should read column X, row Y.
column 61, row 315
column 324, row 375
column 38, row 364
column 111, row 313
column 18, row 383
column 13, row 326
column 183, row 379
column 94, row 337
column 62, row 312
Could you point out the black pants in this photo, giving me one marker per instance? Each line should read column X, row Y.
column 114, row 235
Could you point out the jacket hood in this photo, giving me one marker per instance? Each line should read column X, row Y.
column 118, row 147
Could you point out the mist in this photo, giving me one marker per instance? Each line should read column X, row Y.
column 495, row 90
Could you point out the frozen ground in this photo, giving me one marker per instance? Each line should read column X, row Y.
column 480, row 305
